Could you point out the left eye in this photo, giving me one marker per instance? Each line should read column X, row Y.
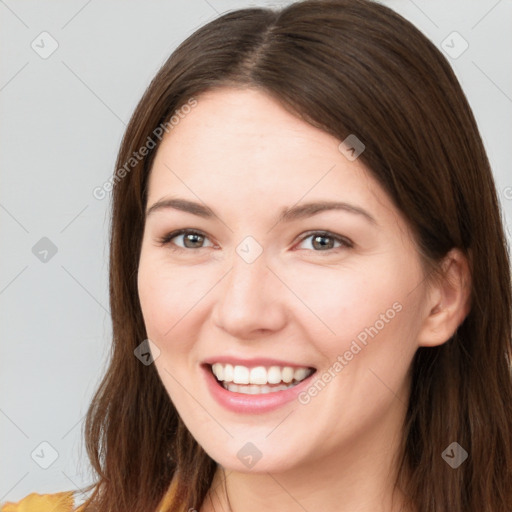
column 321, row 240
column 325, row 241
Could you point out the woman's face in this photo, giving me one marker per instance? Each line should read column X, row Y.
column 267, row 289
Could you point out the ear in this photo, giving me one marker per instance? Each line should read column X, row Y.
column 448, row 301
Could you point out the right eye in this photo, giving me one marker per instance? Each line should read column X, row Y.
column 191, row 239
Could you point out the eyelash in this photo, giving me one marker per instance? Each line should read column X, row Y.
column 166, row 240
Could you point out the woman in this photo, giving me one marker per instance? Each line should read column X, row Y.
column 373, row 376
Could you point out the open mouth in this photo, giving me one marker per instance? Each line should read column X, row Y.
column 259, row 379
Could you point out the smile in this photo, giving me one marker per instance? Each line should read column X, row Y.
column 259, row 379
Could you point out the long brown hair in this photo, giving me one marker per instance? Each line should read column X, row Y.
column 345, row 66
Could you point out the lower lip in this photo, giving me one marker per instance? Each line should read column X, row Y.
column 241, row 402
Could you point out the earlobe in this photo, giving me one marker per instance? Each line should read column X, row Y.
column 449, row 301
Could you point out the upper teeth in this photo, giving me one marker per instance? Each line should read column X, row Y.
column 259, row 374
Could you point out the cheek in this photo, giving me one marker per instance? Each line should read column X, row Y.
column 167, row 299
column 347, row 300
column 358, row 308
column 166, row 295
column 174, row 307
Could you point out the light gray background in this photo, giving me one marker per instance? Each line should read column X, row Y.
column 62, row 119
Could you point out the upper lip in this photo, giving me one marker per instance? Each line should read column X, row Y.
column 252, row 362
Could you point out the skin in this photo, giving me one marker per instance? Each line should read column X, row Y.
column 246, row 157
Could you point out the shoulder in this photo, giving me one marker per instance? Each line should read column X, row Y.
column 65, row 502
column 34, row 502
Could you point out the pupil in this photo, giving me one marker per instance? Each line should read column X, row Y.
column 193, row 238
column 322, row 244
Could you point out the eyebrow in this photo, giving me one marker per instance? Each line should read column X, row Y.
column 287, row 214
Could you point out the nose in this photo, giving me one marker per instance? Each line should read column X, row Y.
column 250, row 300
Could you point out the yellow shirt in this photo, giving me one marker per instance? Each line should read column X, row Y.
column 34, row 502
column 59, row 502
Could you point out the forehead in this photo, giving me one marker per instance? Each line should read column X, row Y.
column 236, row 115
column 241, row 149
